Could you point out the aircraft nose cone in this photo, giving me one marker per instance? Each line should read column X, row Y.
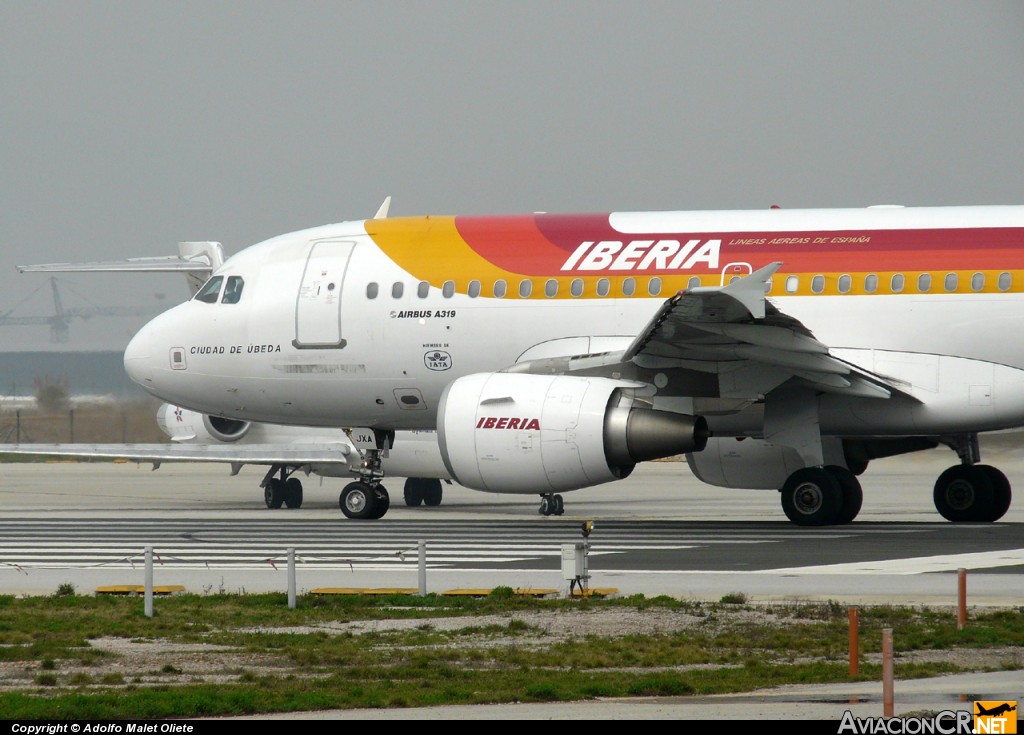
column 138, row 357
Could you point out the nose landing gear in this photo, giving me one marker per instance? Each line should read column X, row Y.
column 367, row 499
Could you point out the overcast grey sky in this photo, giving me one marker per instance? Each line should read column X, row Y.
column 128, row 126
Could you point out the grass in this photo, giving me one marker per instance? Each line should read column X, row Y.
column 283, row 662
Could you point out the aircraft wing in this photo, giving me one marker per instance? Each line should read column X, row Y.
column 736, row 332
column 160, row 264
column 195, row 260
column 264, row 454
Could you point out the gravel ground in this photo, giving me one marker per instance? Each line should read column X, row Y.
column 162, row 662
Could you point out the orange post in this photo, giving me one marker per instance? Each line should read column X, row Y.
column 854, row 641
column 887, row 685
column 961, row 606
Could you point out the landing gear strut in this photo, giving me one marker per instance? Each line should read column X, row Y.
column 367, row 498
column 551, row 505
column 283, row 490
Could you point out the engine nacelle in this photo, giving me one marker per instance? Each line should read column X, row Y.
column 180, row 424
column 749, row 463
column 533, row 434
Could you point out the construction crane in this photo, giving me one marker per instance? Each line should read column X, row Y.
column 60, row 321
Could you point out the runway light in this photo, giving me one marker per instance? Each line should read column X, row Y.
column 586, row 528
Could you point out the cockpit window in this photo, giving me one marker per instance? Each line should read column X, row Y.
column 208, row 293
column 233, row 291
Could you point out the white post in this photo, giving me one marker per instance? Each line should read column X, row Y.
column 423, row 568
column 291, row 577
column 148, row 603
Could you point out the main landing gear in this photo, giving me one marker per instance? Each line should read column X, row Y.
column 965, row 493
column 551, row 505
column 976, row 492
column 822, row 496
column 283, row 490
column 425, row 490
column 367, row 498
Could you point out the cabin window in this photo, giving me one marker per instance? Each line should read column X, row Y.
column 629, row 287
column 448, row 289
column 818, row 284
column 896, row 284
column 870, row 283
column 397, row 289
column 551, row 288
column 603, row 287
column 371, row 290
column 233, row 290
column 654, row 286
column 576, row 287
column 423, row 289
column 694, row 282
column 977, row 281
column 950, row 282
column 474, row 289
column 525, row 288
column 845, row 282
column 1005, row 281
column 500, row 288
column 924, row 282
column 208, row 294
column 792, row 284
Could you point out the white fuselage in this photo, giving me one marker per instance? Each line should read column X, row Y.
column 306, row 343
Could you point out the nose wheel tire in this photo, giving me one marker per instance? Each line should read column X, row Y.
column 382, row 501
column 359, row 501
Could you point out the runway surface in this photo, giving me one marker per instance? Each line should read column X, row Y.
column 658, row 532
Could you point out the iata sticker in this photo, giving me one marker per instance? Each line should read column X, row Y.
column 437, row 360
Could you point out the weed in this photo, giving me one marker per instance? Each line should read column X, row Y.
column 734, row 598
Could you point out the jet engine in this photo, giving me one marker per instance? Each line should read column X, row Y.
column 535, row 434
column 181, row 424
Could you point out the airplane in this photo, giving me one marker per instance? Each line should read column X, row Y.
column 288, row 450
column 776, row 349
column 1001, row 709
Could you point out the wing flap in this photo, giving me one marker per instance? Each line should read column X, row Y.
column 735, row 328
